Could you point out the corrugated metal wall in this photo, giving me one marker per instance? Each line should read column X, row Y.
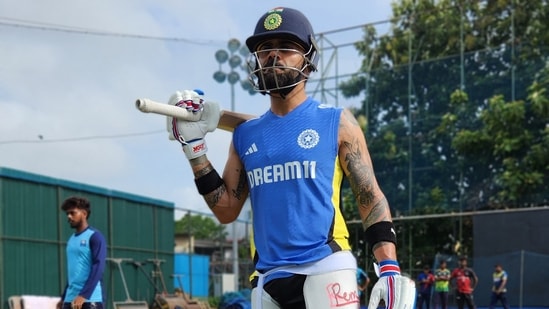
column 34, row 231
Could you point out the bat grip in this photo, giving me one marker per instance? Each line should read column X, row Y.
column 150, row 106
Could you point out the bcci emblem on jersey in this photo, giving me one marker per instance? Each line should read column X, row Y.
column 308, row 139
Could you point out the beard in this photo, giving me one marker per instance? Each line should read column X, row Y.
column 273, row 81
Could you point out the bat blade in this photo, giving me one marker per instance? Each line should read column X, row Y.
column 228, row 120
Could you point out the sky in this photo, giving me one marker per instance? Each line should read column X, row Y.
column 71, row 70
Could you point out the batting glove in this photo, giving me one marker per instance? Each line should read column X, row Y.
column 191, row 133
column 397, row 291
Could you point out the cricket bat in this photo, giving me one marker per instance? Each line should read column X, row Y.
column 227, row 121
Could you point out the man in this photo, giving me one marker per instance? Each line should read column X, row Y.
column 291, row 162
column 499, row 290
column 466, row 281
column 425, row 281
column 86, row 256
column 442, row 279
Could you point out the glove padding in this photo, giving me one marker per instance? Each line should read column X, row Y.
column 397, row 291
column 190, row 133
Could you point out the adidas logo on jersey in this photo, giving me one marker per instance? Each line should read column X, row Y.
column 251, row 150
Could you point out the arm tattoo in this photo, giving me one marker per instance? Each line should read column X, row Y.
column 238, row 192
column 377, row 214
column 362, row 181
column 360, row 175
column 208, row 168
column 213, row 197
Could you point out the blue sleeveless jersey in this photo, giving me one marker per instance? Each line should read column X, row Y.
column 294, row 177
column 86, row 253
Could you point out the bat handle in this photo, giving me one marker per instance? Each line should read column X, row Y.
column 150, row 106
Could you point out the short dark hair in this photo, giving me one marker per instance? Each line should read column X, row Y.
column 77, row 202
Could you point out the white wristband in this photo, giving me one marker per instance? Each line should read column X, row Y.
column 195, row 149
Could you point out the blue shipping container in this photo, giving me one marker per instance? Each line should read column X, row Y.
column 196, row 281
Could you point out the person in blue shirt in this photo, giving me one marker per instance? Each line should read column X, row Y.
column 291, row 162
column 86, row 259
column 425, row 281
column 499, row 291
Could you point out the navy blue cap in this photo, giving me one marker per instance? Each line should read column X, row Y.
column 282, row 22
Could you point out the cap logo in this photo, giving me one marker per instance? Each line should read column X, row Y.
column 272, row 21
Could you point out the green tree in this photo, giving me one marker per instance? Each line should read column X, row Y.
column 514, row 139
column 455, row 99
column 483, row 48
column 201, row 227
